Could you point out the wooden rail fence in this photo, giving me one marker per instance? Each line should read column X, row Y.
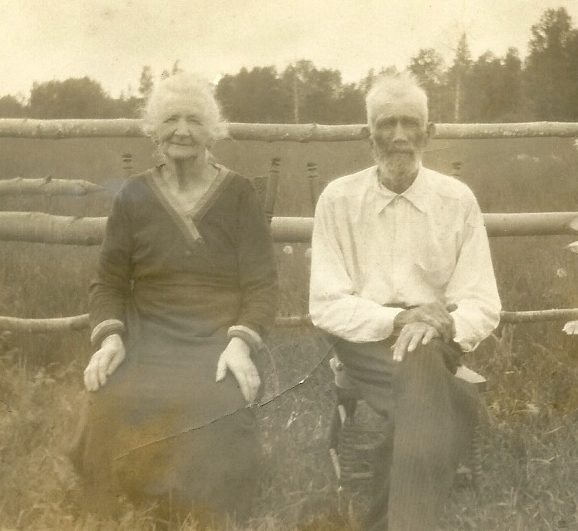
column 40, row 227
column 124, row 127
column 80, row 322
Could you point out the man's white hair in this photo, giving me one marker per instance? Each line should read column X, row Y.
column 191, row 90
column 387, row 87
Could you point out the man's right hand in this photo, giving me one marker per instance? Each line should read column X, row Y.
column 104, row 362
column 412, row 335
column 434, row 314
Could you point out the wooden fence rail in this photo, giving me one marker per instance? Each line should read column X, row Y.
column 80, row 322
column 124, row 127
column 38, row 227
column 47, row 186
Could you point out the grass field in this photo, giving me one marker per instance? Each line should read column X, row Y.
column 531, row 445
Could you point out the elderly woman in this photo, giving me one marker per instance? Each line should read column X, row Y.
column 186, row 287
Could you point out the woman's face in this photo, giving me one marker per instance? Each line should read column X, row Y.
column 181, row 134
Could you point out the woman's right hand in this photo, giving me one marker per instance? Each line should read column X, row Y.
column 104, row 362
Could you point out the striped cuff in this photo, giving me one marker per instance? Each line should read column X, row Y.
column 249, row 336
column 104, row 329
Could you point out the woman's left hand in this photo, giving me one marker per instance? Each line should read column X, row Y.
column 237, row 358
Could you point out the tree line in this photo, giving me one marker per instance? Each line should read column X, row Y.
column 490, row 88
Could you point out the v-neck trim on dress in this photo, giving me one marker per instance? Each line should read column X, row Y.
column 187, row 219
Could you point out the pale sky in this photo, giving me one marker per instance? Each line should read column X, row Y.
column 111, row 40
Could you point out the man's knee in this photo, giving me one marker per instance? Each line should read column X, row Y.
column 427, row 365
column 428, row 357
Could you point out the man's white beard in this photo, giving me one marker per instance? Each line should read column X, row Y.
column 398, row 165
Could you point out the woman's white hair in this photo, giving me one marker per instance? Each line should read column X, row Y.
column 186, row 89
column 388, row 87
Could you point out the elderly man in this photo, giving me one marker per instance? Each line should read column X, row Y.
column 402, row 279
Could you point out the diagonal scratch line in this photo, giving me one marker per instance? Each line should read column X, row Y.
column 7, row 406
column 294, row 386
column 212, row 421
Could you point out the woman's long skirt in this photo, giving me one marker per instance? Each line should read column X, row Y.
column 162, row 429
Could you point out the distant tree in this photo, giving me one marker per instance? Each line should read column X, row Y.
column 126, row 107
column 320, row 91
column 351, row 105
column 301, row 93
column 511, row 94
column 10, row 107
column 488, row 89
column 483, row 89
column 552, row 67
column 366, row 82
column 146, row 82
column 251, row 95
column 428, row 67
column 225, row 95
column 572, row 75
column 457, row 77
column 319, row 95
column 71, row 98
column 293, row 91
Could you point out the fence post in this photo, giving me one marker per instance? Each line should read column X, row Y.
column 127, row 165
column 313, row 177
column 272, row 186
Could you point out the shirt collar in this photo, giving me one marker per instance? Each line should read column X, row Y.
column 416, row 194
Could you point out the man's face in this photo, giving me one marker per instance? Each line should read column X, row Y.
column 399, row 134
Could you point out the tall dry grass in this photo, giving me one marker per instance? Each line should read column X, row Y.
column 530, row 458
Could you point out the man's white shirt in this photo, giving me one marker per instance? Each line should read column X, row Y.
column 375, row 252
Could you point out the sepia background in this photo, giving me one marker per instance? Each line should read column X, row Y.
column 297, row 62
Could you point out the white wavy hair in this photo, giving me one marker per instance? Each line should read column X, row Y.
column 387, row 87
column 193, row 92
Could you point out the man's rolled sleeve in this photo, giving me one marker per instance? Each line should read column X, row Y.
column 472, row 287
column 472, row 325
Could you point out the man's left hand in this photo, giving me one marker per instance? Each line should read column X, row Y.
column 412, row 335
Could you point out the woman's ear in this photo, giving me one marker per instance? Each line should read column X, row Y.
column 431, row 130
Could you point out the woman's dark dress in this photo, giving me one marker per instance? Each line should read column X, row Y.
column 162, row 427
